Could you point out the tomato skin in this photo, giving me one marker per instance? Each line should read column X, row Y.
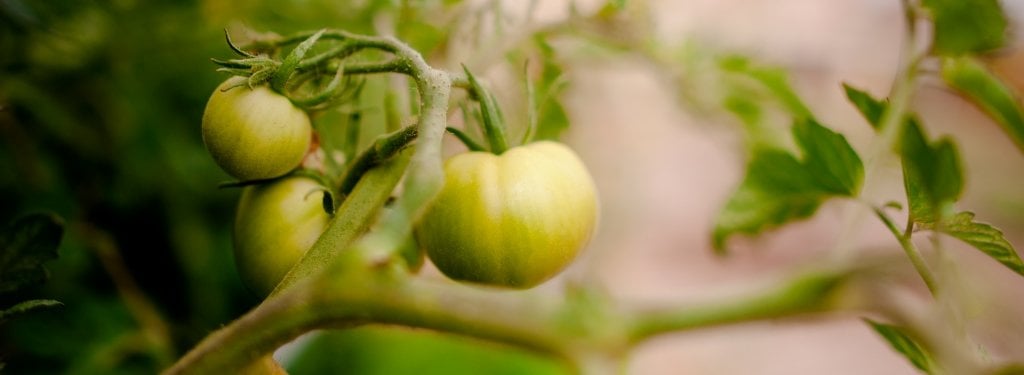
column 514, row 220
column 275, row 224
column 254, row 134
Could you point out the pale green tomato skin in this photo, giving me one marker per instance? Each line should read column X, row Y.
column 276, row 223
column 254, row 134
column 511, row 220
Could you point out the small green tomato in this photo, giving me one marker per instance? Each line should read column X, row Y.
column 254, row 134
column 276, row 223
column 513, row 220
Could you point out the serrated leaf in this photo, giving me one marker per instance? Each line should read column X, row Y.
column 983, row 237
column 905, row 345
column 779, row 188
column 25, row 245
column 932, row 175
column 871, row 108
column 967, row 26
column 26, row 307
column 987, row 91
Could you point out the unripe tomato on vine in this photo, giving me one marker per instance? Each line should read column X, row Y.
column 275, row 224
column 513, row 220
column 256, row 133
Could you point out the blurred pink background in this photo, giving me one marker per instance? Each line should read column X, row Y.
column 663, row 173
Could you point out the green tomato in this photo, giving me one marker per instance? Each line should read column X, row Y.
column 254, row 134
column 514, row 220
column 276, row 223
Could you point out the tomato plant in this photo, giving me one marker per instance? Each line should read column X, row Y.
column 514, row 219
column 274, row 226
column 254, row 133
column 336, row 241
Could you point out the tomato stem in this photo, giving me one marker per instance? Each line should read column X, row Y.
column 383, row 149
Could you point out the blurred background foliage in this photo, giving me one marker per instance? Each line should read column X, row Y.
column 100, row 107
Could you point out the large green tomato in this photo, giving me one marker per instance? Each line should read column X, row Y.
column 254, row 134
column 274, row 226
column 514, row 220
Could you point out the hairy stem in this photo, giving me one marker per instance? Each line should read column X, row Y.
column 534, row 321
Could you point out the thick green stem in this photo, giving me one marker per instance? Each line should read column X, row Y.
column 425, row 176
column 816, row 292
column 535, row 321
column 351, row 220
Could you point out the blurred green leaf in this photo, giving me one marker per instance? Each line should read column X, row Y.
column 552, row 119
column 1011, row 369
column 967, row 26
column 871, row 108
column 387, row 351
column 778, row 188
column 905, row 345
column 25, row 245
column 932, row 174
column 772, row 78
column 26, row 307
column 983, row 237
column 828, row 158
column 987, row 91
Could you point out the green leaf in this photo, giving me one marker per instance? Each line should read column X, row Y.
column 373, row 350
column 967, row 26
column 871, row 108
column 905, row 345
column 828, row 158
column 932, row 174
column 997, row 99
column 983, row 237
column 776, row 190
column 26, row 307
column 772, row 78
column 552, row 119
column 25, row 245
column 779, row 188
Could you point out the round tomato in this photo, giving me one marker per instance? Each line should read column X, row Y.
column 274, row 226
column 514, row 220
column 254, row 134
